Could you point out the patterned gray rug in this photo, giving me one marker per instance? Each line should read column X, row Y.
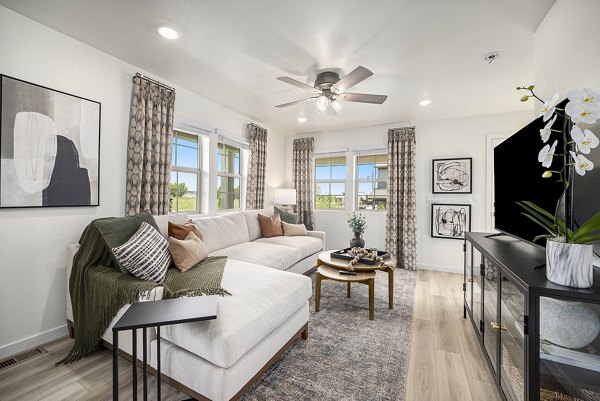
column 347, row 356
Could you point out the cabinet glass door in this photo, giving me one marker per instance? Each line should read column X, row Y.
column 512, row 340
column 569, row 350
column 477, row 286
column 469, row 277
column 490, row 312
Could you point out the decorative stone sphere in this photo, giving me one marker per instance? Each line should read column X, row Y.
column 568, row 324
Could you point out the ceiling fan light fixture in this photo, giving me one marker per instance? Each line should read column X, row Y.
column 337, row 105
column 322, row 103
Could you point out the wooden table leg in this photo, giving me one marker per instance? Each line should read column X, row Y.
column 372, row 299
column 349, row 290
column 390, row 273
column 317, row 292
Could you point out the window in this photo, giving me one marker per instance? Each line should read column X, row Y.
column 371, row 175
column 330, row 182
column 228, row 176
column 185, row 173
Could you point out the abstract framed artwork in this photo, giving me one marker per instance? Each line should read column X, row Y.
column 49, row 147
column 452, row 176
column 450, row 220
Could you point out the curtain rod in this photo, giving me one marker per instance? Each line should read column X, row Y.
column 413, row 127
column 154, row 81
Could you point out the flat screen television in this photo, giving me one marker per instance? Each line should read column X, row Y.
column 518, row 177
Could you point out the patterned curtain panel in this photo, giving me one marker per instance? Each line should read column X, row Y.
column 401, row 216
column 303, row 179
column 149, row 148
column 255, row 186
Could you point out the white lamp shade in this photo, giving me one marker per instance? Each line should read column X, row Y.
column 285, row 196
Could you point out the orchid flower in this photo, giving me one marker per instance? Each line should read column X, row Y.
column 547, row 154
column 549, row 107
column 584, row 140
column 581, row 112
column 587, row 97
column 582, row 164
column 547, row 130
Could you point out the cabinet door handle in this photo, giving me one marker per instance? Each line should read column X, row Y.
column 498, row 326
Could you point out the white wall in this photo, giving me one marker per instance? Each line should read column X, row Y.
column 33, row 241
column 458, row 137
column 566, row 50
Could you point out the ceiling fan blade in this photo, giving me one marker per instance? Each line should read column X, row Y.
column 298, row 84
column 363, row 98
column 358, row 75
column 296, row 102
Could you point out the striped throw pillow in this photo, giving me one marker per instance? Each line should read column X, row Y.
column 145, row 254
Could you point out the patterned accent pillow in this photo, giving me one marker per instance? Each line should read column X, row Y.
column 145, row 254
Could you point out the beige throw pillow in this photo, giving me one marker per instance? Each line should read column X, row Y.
column 291, row 230
column 188, row 252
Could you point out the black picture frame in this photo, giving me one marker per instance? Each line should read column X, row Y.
column 64, row 169
column 447, row 220
column 452, row 176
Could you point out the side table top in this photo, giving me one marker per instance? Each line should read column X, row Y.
column 325, row 258
column 168, row 311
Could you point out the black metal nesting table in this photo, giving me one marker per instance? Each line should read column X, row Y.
column 142, row 315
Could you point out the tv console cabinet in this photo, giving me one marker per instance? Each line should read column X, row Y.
column 510, row 303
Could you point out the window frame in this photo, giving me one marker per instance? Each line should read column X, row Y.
column 358, row 181
column 239, row 176
column 332, row 181
column 182, row 169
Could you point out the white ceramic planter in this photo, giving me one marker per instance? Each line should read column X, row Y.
column 570, row 264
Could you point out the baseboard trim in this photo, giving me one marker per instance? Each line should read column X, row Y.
column 33, row 341
column 438, row 268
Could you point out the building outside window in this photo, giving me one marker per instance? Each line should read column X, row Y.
column 229, row 176
column 371, row 184
column 330, row 182
column 185, row 173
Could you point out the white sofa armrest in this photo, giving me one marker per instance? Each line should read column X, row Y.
column 318, row 234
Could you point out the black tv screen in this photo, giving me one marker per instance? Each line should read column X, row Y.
column 518, row 176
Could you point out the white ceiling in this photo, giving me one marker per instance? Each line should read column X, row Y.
column 232, row 51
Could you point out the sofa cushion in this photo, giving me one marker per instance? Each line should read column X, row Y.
column 270, row 225
column 188, row 252
column 181, row 231
column 163, row 220
column 265, row 254
column 223, row 231
column 262, row 300
column 145, row 254
column 305, row 246
column 288, row 217
column 292, row 230
column 254, row 231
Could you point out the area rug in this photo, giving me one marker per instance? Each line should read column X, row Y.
column 347, row 356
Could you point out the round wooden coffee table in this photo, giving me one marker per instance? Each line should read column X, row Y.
column 328, row 269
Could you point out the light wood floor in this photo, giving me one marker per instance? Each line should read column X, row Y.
column 445, row 362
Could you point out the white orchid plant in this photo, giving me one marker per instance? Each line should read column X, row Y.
column 582, row 108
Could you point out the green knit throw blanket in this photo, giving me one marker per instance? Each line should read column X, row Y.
column 99, row 289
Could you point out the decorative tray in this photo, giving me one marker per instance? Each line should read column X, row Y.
column 346, row 255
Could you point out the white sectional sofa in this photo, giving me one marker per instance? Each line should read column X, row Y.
column 268, row 309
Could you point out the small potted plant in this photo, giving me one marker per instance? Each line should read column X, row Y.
column 569, row 254
column 357, row 223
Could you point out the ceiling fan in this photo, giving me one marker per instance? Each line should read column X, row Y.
column 329, row 90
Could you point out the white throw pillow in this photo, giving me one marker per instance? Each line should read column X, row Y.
column 145, row 254
column 291, row 230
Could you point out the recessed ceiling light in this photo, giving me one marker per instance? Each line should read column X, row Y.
column 424, row 102
column 301, row 119
column 168, row 33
